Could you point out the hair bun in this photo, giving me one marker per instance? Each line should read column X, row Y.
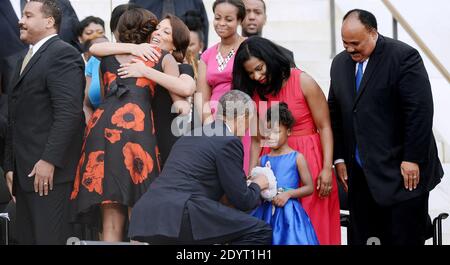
column 136, row 25
column 130, row 35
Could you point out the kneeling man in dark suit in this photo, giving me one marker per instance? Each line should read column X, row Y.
column 182, row 206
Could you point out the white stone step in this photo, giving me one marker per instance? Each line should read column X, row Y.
column 297, row 30
column 98, row 8
column 319, row 70
column 308, row 50
column 295, row 10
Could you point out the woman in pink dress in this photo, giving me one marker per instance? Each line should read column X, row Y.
column 264, row 72
column 216, row 63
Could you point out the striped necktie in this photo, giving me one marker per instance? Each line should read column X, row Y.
column 26, row 60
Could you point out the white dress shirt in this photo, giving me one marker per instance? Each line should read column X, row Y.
column 39, row 44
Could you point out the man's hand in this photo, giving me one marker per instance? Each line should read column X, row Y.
column 325, row 182
column 281, row 199
column 9, row 183
column 43, row 180
column 341, row 171
column 411, row 175
column 261, row 181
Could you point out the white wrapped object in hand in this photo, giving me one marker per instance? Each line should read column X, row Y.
column 269, row 193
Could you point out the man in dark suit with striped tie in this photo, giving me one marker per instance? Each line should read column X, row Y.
column 45, row 126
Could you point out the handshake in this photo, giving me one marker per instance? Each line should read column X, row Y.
column 265, row 179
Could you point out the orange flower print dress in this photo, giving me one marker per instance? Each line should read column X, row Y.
column 118, row 160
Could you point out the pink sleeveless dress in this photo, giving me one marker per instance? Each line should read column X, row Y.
column 324, row 213
column 220, row 83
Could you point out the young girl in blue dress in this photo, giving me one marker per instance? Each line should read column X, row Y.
column 290, row 223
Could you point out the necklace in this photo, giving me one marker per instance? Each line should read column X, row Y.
column 223, row 62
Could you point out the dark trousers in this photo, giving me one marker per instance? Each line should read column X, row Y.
column 404, row 223
column 260, row 234
column 43, row 220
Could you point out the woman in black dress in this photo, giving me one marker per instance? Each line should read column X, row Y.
column 119, row 154
column 170, row 106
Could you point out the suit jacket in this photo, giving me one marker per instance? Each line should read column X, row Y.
column 69, row 24
column 181, row 6
column 4, row 192
column 198, row 172
column 9, row 30
column 390, row 119
column 10, row 44
column 3, row 124
column 46, row 119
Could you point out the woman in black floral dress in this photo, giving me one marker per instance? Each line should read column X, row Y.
column 118, row 160
column 171, row 92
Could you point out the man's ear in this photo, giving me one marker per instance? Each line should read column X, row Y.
column 50, row 23
column 374, row 33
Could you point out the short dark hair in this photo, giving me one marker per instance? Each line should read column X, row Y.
column 180, row 37
column 90, row 42
column 278, row 67
column 237, row 3
column 285, row 115
column 194, row 22
column 136, row 25
column 366, row 18
column 51, row 8
column 117, row 12
column 87, row 21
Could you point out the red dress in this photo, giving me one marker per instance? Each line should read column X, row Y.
column 324, row 213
